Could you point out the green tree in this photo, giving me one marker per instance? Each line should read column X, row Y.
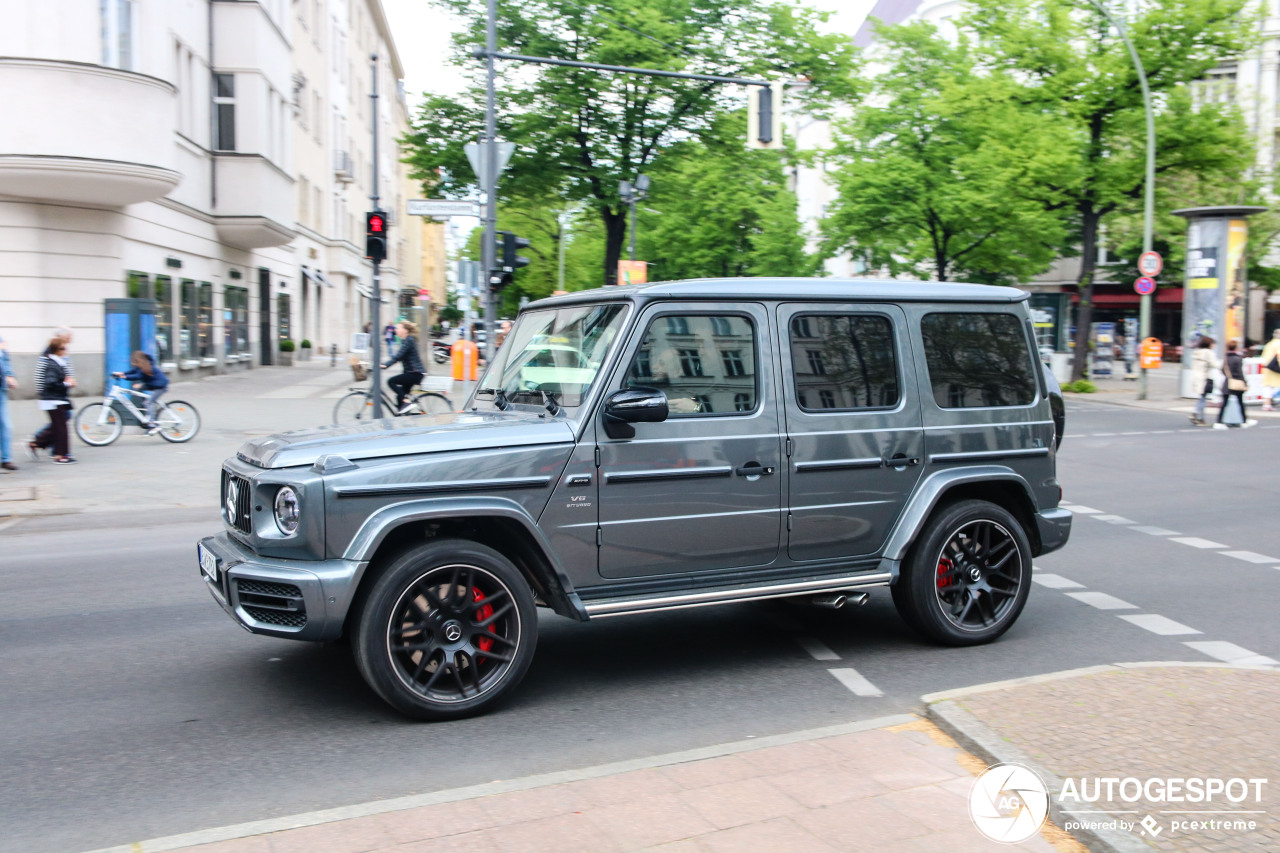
column 950, row 176
column 1072, row 64
column 579, row 132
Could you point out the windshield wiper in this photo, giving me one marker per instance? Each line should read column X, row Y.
column 499, row 397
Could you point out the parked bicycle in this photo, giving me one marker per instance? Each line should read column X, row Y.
column 358, row 405
column 99, row 424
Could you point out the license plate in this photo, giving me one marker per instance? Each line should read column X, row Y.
column 208, row 564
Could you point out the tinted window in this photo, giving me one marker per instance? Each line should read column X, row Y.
column 844, row 362
column 705, row 364
column 978, row 360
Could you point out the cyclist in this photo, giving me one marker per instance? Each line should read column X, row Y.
column 148, row 374
column 409, row 357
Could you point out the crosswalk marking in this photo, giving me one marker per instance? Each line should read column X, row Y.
column 1230, row 652
column 1114, row 519
column 1102, row 601
column 1081, row 510
column 1161, row 625
column 854, row 680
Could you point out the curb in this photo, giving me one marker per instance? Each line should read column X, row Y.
column 943, row 709
column 279, row 824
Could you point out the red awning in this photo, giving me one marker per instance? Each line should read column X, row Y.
column 1165, row 296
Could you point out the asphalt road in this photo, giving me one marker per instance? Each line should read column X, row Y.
column 131, row 707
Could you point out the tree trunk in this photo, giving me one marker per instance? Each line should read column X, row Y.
column 1089, row 219
column 615, row 234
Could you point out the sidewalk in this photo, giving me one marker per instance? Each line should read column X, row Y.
column 146, row 474
column 892, row 784
column 1163, row 394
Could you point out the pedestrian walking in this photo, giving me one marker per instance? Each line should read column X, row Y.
column 1231, row 414
column 1271, row 372
column 410, row 359
column 45, row 437
column 389, row 335
column 53, row 392
column 151, row 379
column 1204, row 364
column 7, row 383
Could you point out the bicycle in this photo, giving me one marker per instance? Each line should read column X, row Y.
column 358, row 405
column 99, row 424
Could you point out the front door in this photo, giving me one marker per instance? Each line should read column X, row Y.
column 701, row 491
column 853, row 426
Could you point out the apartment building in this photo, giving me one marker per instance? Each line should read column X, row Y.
column 159, row 150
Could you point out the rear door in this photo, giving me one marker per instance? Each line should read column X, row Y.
column 853, row 426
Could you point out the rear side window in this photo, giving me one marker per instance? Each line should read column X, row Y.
column 978, row 360
column 843, row 362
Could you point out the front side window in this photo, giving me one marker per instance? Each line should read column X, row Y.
column 978, row 360
column 694, row 385
column 854, row 367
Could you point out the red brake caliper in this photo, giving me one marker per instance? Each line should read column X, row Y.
column 945, row 567
column 484, row 644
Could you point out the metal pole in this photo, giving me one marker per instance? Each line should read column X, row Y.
column 489, row 180
column 560, row 278
column 1149, row 196
column 375, row 310
column 633, row 224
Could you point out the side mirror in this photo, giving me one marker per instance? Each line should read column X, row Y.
column 633, row 406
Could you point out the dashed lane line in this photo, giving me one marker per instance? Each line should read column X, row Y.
column 854, row 680
column 1250, row 556
column 1102, row 601
column 1230, row 652
column 1081, row 510
column 1154, row 531
column 1115, row 519
column 817, row 649
column 1197, row 542
column 1156, row 624
column 1052, row 581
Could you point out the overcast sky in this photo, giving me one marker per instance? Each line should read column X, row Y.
column 422, row 32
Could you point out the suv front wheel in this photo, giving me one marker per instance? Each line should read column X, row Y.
column 446, row 631
column 968, row 575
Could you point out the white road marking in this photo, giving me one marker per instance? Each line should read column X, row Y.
column 1081, row 510
column 1140, row 432
column 1115, row 519
column 1159, row 624
column 1154, row 531
column 1162, row 431
column 1230, row 652
column 1249, row 556
column 1053, row 581
column 852, row 679
column 1102, row 601
column 1196, row 542
column 1100, row 434
column 816, row 649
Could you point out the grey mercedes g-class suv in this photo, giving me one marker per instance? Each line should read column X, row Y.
column 646, row 448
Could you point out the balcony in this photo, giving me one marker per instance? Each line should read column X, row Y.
column 108, row 143
column 254, row 201
column 343, row 169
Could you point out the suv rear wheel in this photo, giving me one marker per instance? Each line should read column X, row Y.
column 447, row 631
column 968, row 576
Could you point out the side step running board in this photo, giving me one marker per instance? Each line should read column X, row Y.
column 627, row 606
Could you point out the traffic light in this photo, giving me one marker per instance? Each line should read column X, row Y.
column 764, row 116
column 506, row 245
column 375, row 236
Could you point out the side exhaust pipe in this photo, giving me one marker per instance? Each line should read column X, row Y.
column 836, row 600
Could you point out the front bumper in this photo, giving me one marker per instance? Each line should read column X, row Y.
column 1054, row 526
column 281, row 598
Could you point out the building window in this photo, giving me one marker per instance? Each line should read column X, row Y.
column 677, row 326
column 703, row 402
column 204, row 320
column 723, row 386
column 284, row 328
column 644, row 366
column 815, row 361
column 235, row 320
column 826, row 399
column 224, row 104
column 742, row 403
column 732, row 359
column 163, row 295
column 800, row 328
column 117, row 33
column 721, row 327
column 188, row 318
column 138, row 286
column 690, row 363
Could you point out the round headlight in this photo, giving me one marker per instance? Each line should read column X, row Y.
column 288, row 510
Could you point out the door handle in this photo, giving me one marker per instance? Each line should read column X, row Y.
column 901, row 460
column 753, row 470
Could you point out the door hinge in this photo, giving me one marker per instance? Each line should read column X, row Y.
column 599, row 537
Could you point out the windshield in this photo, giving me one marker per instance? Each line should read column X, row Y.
column 553, row 356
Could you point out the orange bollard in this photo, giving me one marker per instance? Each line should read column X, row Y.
column 465, row 357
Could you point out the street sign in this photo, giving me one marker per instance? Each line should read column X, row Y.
column 1150, row 263
column 1152, row 350
column 478, row 152
column 443, row 207
column 1145, row 285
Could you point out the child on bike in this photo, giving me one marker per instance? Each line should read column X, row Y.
column 151, row 379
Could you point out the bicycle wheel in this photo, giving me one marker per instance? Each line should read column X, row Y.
column 179, row 421
column 353, row 408
column 98, row 425
column 430, row 403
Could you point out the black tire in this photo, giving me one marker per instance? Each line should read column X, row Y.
column 967, row 577
column 440, row 357
column 447, row 631
column 431, row 403
column 97, row 427
column 353, row 408
column 179, row 421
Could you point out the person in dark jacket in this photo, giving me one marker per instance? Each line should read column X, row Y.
column 53, row 391
column 151, row 379
column 1233, row 370
column 410, row 358
column 44, row 438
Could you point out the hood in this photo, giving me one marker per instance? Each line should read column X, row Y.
column 405, row 436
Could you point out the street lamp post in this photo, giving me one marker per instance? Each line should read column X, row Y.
column 1149, row 196
column 630, row 195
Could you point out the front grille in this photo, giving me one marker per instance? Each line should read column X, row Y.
column 272, row 603
column 243, row 502
column 276, row 617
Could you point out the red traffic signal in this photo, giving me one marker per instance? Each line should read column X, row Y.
column 375, row 224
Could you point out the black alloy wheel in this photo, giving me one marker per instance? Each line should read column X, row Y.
column 968, row 577
column 446, row 631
